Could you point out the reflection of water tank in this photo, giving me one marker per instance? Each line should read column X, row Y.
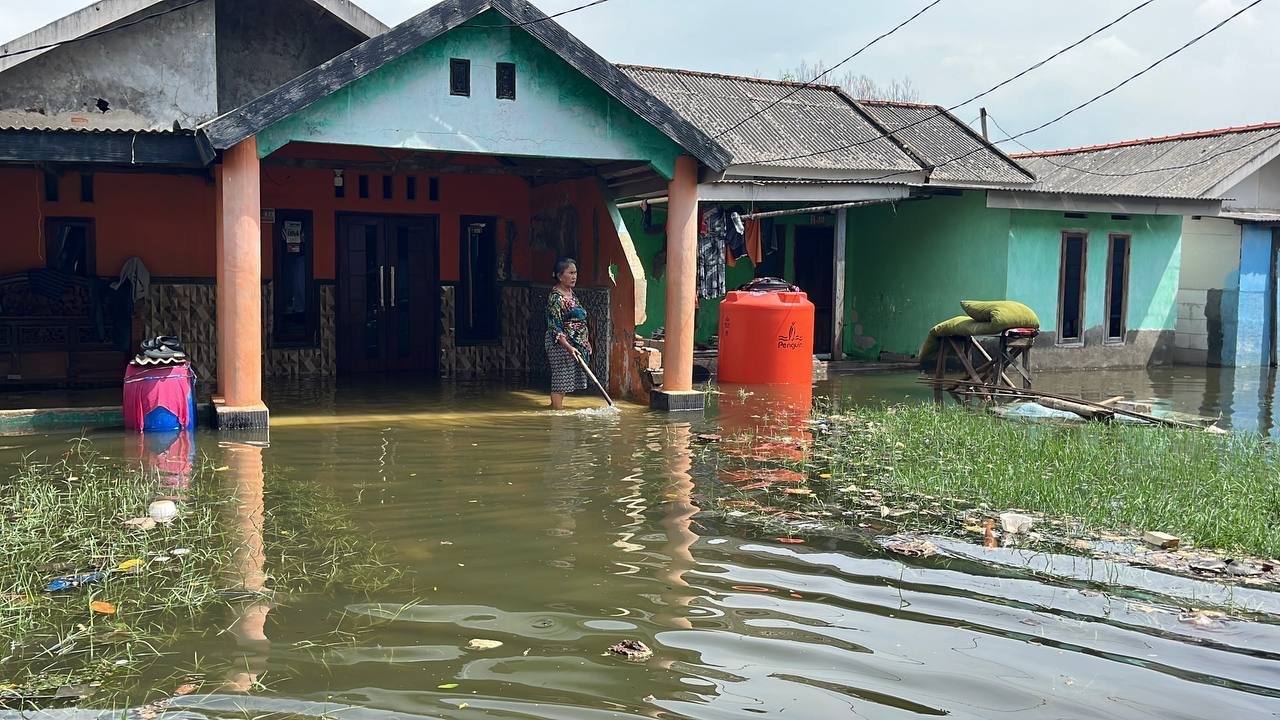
column 766, row 335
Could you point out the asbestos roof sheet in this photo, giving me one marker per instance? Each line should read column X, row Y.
column 805, row 120
column 1179, row 166
column 938, row 139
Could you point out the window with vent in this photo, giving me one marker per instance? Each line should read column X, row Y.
column 506, row 81
column 1117, row 287
column 1071, row 289
column 460, row 77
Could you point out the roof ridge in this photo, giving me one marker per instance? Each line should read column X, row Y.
column 725, row 76
column 898, row 103
column 1152, row 140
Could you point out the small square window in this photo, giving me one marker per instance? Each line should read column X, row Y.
column 506, row 81
column 460, row 77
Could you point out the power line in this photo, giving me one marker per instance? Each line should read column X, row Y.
column 100, row 33
column 562, row 13
column 980, row 95
column 1136, row 75
column 1148, row 171
column 826, row 72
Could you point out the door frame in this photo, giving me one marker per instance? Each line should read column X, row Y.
column 830, row 269
column 433, row 282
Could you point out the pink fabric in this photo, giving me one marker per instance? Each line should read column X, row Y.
column 147, row 388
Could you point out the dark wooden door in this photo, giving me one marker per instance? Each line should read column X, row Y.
column 814, row 254
column 387, row 293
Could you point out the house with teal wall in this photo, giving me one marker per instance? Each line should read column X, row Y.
column 928, row 213
column 1226, row 295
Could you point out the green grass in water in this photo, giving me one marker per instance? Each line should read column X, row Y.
column 1221, row 492
column 65, row 517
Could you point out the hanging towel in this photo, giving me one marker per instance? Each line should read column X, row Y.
column 138, row 276
column 755, row 249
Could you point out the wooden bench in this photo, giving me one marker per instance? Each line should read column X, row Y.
column 1013, row 353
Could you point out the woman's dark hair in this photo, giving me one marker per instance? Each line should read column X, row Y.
column 561, row 265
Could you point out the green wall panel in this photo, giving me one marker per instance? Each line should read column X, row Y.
column 558, row 112
column 1035, row 238
column 909, row 265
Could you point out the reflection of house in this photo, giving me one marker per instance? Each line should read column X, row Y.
column 395, row 208
column 946, row 217
column 1226, row 304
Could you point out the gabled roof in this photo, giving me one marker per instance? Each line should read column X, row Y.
column 105, row 14
column 804, row 121
column 1191, row 165
column 358, row 62
column 810, row 119
column 951, row 148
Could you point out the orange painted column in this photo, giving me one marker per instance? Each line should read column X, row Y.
column 682, row 275
column 240, row 279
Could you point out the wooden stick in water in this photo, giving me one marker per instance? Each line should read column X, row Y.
column 592, row 375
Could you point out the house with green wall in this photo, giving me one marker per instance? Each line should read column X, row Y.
column 927, row 213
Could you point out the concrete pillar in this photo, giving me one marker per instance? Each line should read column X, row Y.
column 240, row 290
column 1247, row 318
column 682, row 287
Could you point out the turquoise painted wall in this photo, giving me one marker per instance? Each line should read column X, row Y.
column 558, row 112
column 1035, row 246
column 909, row 265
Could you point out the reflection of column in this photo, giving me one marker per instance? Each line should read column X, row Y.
column 676, row 522
column 247, row 570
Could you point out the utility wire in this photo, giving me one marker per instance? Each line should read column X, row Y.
column 1148, row 171
column 1136, row 75
column 562, row 13
column 826, row 72
column 100, row 33
column 980, row 95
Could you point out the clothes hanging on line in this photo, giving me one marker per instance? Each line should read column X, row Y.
column 755, row 250
column 711, row 253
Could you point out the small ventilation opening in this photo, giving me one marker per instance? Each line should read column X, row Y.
column 506, row 81
column 460, row 77
column 433, row 189
column 102, row 105
column 1119, row 217
column 411, row 188
column 388, row 187
column 86, row 188
column 1076, row 216
column 364, row 187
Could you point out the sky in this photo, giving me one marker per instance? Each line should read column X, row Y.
column 953, row 51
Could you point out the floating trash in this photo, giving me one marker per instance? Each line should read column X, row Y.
column 73, row 582
column 631, row 650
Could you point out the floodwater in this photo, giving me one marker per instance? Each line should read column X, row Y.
column 561, row 534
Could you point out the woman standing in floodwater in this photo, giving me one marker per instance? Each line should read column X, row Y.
column 566, row 339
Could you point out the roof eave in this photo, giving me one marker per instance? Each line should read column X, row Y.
column 238, row 125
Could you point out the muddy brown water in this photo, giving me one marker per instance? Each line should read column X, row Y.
column 561, row 534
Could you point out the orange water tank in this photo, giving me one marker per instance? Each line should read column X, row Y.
column 766, row 337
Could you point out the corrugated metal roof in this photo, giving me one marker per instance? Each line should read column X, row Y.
column 938, row 138
column 1178, row 166
column 86, row 121
column 812, row 119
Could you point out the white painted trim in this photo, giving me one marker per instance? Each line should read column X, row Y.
column 1249, row 168
column 800, row 192
column 105, row 13
column 1058, row 202
column 907, row 177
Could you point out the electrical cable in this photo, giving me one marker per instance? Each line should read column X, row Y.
column 822, row 74
column 100, row 33
column 553, row 16
column 1095, row 98
column 980, row 95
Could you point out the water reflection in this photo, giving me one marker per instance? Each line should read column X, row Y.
column 676, row 521
column 246, row 575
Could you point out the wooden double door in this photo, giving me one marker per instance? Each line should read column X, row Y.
column 388, row 293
